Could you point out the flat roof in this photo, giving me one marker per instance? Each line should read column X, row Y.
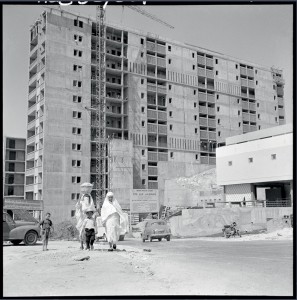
column 260, row 134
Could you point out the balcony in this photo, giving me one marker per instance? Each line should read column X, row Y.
column 162, row 144
column 244, row 82
column 162, row 129
column 153, row 185
column 151, row 87
column 161, row 49
column 29, row 188
column 152, row 156
column 252, row 106
column 211, row 111
column 162, row 116
column 203, row 109
column 151, row 73
column 201, row 96
column 209, row 73
column 251, row 84
column 161, row 89
column 253, row 127
column 243, row 71
column 151, row 100
column 245, row 105
column 211, row 98
column 245, row 117
column 151, row 59
column 278, row 79
column 32, row 93
column 32, row 109
column 281, row 112
column 152, row 128
column 250, row 72
column 246, row 128
column 163, row 156
column 204, row 134
column 30, row 155
column 31, row 124
column 161, row 75
column 209, row 62
column 212, row 135
column 203, row 121
column 151, row 114
column 251, row 96
column 152, row 171
column 161, row 62
column 151, row 46
column 201, row 72
column 280, row 92
column 212, row 123
column 201, row 60
column 212, row 160
column 282, row 121
column 253, row 118
column 31, row 140
column 30, row 172
column 204, row 159
column 280, row 101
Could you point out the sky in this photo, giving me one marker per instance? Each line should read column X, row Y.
column 261, row 34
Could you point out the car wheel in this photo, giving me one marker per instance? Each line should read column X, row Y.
column 31, row 238
column 168, row 238
column 16, row 242
column 159, row 239
column 150, row 238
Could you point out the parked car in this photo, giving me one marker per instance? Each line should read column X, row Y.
column 156, row 229
column 101, row 232
column 20, row 231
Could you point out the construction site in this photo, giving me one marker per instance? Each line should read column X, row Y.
column 179, row 133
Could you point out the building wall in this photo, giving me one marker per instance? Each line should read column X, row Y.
column 263, row 168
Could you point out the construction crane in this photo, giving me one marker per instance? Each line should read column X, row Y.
column 103, row 144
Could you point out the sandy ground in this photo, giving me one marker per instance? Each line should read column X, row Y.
column 259, row 265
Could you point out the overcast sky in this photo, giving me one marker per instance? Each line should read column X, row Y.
column 262, row 34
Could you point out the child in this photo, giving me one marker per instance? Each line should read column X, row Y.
column 46, row 226
column 90, row 228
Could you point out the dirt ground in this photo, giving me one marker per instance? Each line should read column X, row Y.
column 209, row 266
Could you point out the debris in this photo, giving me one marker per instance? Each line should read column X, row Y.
column 147, row 250
column 82, row 258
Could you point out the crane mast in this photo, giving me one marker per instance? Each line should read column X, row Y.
column 100, row 137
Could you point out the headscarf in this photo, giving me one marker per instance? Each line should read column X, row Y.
column 110, row 208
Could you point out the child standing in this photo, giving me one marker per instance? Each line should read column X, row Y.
column 90, row 228
column 46, row 226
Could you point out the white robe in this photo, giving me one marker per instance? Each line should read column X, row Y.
column 113, row 219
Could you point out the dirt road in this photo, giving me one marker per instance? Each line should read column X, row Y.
column 178, row 267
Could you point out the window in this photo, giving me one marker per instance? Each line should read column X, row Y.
column 236, row 66
column 170, row 114
column 170, row 100
column 169, row 48
column 239, row 112
column 256, row 82
column 259, row 127
column 259, row 116
column 171, row 154
column 194, row 92
column 217, row 97
column 142, row 81
column 274, row 107
column 142, row 123
column 75, row 52
column 256, row 71
column 143, row 167
column 217, row 72
column 142, row 152
column 229, row 163
column 169, row 61
column 170, row 127
column 274, row 87
column 238, row 101
column 142, row 109
column 193, row 55
column 275, row 119
column 239, row 124
column 195, row 104
column 195, row 117
column 219, row 133
column 11, row 167
column 76, row 147
column 76, row 163
column 80, row 24
column 75, row 22
column 258, row 104
column 76, row 114
column 141, row 41
column 12, row 144
column 219, row 121
column 218, row 109
column 10, row 191
column 73, row 196
column 237, row 78
column 196, row 156
column 141, row 54
column 273, row 156
column 216, row 61
column 193, row 67
column 196, row 130
column 75, row 179
column 77, row 68
column 142, row 95
column 77, row 38
column 12, row 155
column 169, row 86
column 72, row 213
column 143, row 181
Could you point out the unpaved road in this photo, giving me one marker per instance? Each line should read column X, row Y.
column 179, row 267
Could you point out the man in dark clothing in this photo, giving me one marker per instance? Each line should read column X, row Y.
column 46, row 226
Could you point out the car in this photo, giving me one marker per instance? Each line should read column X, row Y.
column 101, row 231
column 156, row 229
column 20, row 231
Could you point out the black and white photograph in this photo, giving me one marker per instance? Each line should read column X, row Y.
column 148, row 149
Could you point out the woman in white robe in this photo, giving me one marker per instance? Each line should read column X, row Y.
column 85, row 202
column 113, row 219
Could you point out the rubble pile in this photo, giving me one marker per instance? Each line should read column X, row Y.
column 204, row 181
column 65, row 231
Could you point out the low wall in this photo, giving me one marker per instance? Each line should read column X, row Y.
column 207, row 222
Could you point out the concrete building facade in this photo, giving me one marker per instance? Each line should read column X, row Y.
column 175, row 102
column 14, row 167
column 258, row 166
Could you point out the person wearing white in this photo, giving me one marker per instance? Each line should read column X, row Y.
column 113, row 219
column 83, row 204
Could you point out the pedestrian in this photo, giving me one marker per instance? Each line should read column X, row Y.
column 113, row 220
column 89, row 228
column 83, row 204
column 46, row 228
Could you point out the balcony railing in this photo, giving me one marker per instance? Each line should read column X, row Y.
column 252, row 106
column 212, row 160
column 203, row 134
column 201, row 60
column 245, row 105
column 152, row 128
column 152, row 170
column 30, row 172
column 161, row 62
column 253, row 127
column 150, row 46
column 153, row 185
column 201, row 72
column 209, row 73
column 162, row 144
column 151, row 101
column 211, row 111
column 246, row 128
column 251, row 96
column 201, row 96
column 163, row 156
column 151, row 59
column 282, row 121
column 250, row 72
column 204, row 159
column 161, row 49
column 244, row 82
column 151, row 114
column 209, row 62
column 243, row 71
column 280, row 101
column 152, row 156
column 162, row 116
column 253, row 118
column 31, row 109
column 203, row 121
column 203, row 109
column 245, row 117
column 251, row 84
column 281, row 112
column 162, row 129
column 212, row 135
column 151, row 87
column 211, row 98
column 162, row 89
column 211, row 122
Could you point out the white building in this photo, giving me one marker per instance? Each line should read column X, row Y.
column 258, row 166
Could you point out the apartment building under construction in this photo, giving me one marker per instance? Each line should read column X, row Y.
column 168, row 106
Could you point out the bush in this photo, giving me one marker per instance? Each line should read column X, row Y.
column 65, row 231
